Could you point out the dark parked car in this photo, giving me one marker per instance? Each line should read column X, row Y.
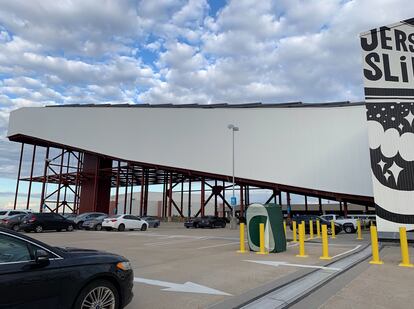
column 307, row 218
column 152, row 222
column 35, row 275
column 206, row 221
column 12, row 222
column 86, row 216
column 94, row 224
column 40, row 222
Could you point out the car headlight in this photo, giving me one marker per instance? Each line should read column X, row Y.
column 124, row 266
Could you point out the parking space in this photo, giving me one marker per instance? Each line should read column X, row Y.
column 176, row 267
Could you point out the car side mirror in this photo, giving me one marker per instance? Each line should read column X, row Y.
column 41, row 257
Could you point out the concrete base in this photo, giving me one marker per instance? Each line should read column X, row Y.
column 394, row 236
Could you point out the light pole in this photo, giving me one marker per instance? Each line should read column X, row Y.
column 233, row 223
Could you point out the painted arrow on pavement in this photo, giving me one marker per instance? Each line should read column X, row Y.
column 188, row 287
column 277, row 263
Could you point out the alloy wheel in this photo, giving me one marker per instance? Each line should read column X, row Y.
column 101, row 297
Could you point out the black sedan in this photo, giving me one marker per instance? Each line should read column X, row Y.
column 40, row 222
column 35, row 275
column 206, row 221
column 12, row 222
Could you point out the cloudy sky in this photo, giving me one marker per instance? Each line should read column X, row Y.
column 180, row 51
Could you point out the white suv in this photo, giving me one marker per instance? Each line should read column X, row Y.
column 348, row 225
column 10, row 212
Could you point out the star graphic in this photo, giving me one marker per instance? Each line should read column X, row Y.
column 395, row 170
column 410, row 118
column 387, row 175
column 401, row 126
column 382, row 164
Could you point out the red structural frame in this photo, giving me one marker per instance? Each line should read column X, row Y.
column 67, row 174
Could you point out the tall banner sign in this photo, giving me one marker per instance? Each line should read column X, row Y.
column 388, row 69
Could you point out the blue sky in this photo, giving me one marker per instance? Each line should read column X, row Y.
column 180, row 51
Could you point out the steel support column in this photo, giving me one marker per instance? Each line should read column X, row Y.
column 132, row 191
column 18, row 176
column 189, row 197
column 306, row 203
column 141, row 200
column 241, row 202
column 289, row 209
column 117, row 187
column 31, row 177
column 346, row 209
column 170, row 191
column 46, row 166
column 320, row 205
column 202, row 197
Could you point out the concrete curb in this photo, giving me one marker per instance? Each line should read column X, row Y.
column 290, row 289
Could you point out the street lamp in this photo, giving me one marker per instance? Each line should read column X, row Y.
column 233, row 129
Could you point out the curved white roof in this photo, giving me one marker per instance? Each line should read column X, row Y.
column 314, row 147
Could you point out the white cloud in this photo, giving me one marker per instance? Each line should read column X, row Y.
column 54, row 52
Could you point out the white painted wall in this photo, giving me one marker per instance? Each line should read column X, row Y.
column 315, row 147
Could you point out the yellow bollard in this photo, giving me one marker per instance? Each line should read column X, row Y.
column 333, row 229
column 302, row 241
column 242, row 248
column 294, row 231
column 374, row 245
column 325, row 250
column 262, row 240
column 310, row 229
column 284, row 226
column 359, row 229
column 318, row 229
column 404, row 249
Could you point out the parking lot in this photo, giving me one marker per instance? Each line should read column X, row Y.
column 176, row 267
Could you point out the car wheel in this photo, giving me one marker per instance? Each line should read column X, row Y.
column 348, row 229
column 98, row 294
column 121, row 227
column 79, row 225
column 187, row 227
column 69, row 228
column 58, row 230
column 156, row 225
column 195, row 225
column 39, row 229
column 329, row 230
column 144, row 227
column 98, row 227
column 16, row 227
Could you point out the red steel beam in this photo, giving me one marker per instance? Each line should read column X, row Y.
column 42, row 197
column 18, row 176
column 117, row 187
column 31, row 177
column 202, row 197
column 170, row 191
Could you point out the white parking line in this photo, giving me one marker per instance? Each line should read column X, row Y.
column 155, row 244
column 220, row 245
column 343, row 253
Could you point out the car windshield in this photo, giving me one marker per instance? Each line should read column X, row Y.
column 2, row 213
